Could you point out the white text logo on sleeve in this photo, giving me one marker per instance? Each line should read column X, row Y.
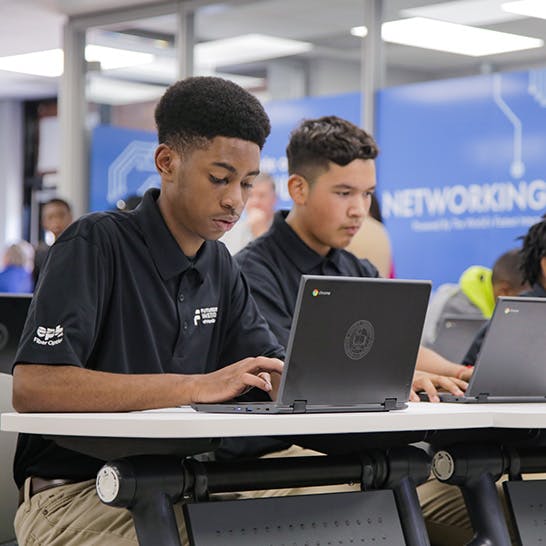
column 49, row 336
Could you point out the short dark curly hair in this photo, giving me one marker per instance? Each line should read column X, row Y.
column 317, row 142
column 195, row 110
column 532, row 251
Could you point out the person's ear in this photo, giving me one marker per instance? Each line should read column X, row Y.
column 164, row 161
column 298, row 188
column 543, row 267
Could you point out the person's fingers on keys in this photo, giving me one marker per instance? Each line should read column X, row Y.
column 265, row 364
column 431, row 391
column 267, row 380
column 449, row 384
column 422, row 382
column 251, row 380
column 414, row 397
column 461, row 383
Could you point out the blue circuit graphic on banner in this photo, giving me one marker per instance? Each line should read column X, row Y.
column 122, row 165
column 285, row 115
column 462, row 170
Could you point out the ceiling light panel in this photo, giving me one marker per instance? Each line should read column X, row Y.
column 40, row 63
column 464, row 12
column 454, row 38
column 528, row 8
column 50, row 63
column 245, row 49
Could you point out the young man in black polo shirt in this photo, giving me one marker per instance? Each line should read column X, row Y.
column 143, row 309
column 331, row 180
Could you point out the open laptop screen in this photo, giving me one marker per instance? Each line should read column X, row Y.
column 13, row 313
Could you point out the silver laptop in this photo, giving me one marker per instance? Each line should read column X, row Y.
column 511, row 366
column 455, row 335
column 352, row 347
column 13, row 313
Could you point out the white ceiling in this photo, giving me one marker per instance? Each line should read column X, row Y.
column 31, row 25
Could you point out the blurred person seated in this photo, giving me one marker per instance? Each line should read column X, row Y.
column 56, row 216
column 532, row 265
column 16, row 277
column 475, row 294
column 372, row 242
column 258, row 215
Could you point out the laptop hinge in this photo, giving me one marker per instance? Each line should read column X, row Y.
column 299, row 406
column 390, row 403
column 483, row 396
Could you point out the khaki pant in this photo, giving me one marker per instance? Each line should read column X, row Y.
column 73, row 515
column 445, row 512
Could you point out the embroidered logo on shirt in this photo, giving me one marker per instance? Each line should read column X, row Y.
column 49, row 336
column 205, row 315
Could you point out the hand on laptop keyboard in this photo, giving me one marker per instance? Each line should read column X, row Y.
column 430, row 382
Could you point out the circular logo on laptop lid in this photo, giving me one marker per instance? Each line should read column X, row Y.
column 359, row 339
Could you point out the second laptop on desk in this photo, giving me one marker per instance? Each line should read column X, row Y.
column 511, row 366
column 352, row 347
column 13, row 313
column 455, row 334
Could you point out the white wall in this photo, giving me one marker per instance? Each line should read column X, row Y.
column 333, row 76
column 11, row 171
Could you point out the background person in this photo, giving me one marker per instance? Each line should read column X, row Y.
column 475, row 294
column 258, row 215
column 16, row 277
column 56, row 216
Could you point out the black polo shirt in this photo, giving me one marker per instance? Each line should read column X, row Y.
column 274, row 264
column 473, row 352
column 117, row 294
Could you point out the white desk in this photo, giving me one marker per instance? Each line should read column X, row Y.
column 184, row 423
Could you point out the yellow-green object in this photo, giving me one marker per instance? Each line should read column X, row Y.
column 476, row 284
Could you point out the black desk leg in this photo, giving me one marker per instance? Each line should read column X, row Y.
column 147, row 487
column 475, row 469
column 409, row 510
column 485, row 512
column 408, row 466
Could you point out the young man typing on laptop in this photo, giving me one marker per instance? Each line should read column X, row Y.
column 121, row 332
column 331, row 179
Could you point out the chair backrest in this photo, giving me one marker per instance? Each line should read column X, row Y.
column 8, row 490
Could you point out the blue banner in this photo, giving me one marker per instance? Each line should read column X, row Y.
column 121, row 165
column 461, row 171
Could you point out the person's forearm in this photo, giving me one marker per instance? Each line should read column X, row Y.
column 432, row 362
column 41, row 388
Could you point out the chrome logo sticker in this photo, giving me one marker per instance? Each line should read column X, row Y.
column 359, row 339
